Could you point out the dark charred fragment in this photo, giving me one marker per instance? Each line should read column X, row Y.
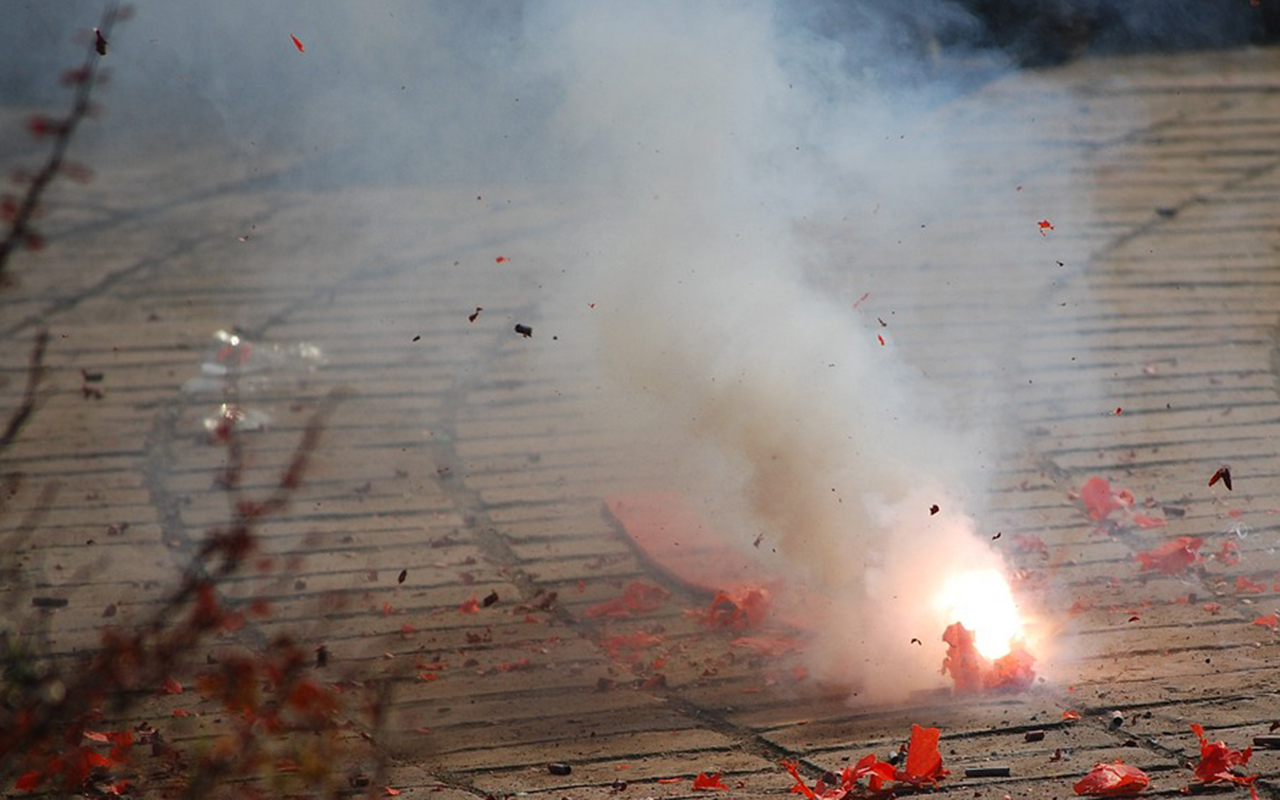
column 1269, row 742
column 489, row 599
column 49, row 602
column 99, row 42
column 933, row 509
column 322, row 657
column 91, row 377
column 404, row 573
column 1001, row 771
column 559, row 768
column 1033, row 736
column 524, row 330
column 1223, row 474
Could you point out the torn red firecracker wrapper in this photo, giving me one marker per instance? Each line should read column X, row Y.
column 1172, row 557
column 745, row 607
column 1216, row 761
column 923, row 767
column 970, row 672
column 1101, row 501
column 1112, row 780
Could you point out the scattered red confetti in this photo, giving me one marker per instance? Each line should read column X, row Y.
column 637, row 597
column 501, row 260
column 297, row 43
column 1223, row 474
column 1045, row 226
column 1070, row 714
column 1173, row 557
column 1143, row 521
column 706, row 782
column 1213, row 608
column 1271, row 621
column 171, row 686
column 1216, row 761
column 471, row 606
column 881, row 338
column 1249, row 586
column 1112, row 780
column 390, row 792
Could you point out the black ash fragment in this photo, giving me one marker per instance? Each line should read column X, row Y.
column 322, row 657
column 933, row 509
column 1269, row 742
column 474, row 315
column 524, row 330
column 997, row 536
column 489, row 599
column 404, row 573
column 1033, row 736
column 99, row 42
column 759, row 539
column 558, row 768
column 49, row 602
column 914, row 640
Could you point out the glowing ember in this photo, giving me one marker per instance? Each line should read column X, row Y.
column 983, row 603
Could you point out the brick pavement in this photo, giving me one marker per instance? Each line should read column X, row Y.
column 478, row 480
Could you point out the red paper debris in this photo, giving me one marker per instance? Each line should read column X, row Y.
column 1172, row 557
column 297, row 43
column 171, row 686
column 706, row 782
column 390, row 792
column 1071, row 714
column 1112, row 780
column 29, row 780
column 500, row 260
column 1030, row 543
column 1045, row 227
column 1216, row 761
column 1248, row 585
column 1143, row 521
column 637, row 597
column 1099, row 501
column 1271, row 621
column 923, row 767
column 746, row 607
column 1230, row 553
column 970, row 672
column 471, row 606
column 1223, row 474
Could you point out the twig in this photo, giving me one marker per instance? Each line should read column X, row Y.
column 35, row 371
column 20, row 228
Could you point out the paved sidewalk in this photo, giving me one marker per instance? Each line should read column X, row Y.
column 479, row 469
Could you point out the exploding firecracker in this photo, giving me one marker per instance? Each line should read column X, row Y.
column 971, row 672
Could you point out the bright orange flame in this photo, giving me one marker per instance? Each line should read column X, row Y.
column 983, row 603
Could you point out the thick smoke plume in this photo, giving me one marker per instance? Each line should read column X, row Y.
column 737, row 172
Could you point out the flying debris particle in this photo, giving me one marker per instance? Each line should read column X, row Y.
column 758, row 540
column 99, row 42
column 1045, row 227
column 1223, row 474
column 1118, row 411
column 404, row 573
column 472, row 317
column 883, row 324
column 1112, row 780
column 858, row 302
column 500, row 260
column 881, row 338
column 417, row 338
column 914, row 640
column 297, row 43
column 933, row 509
column 524, row 330
column 997, row 536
